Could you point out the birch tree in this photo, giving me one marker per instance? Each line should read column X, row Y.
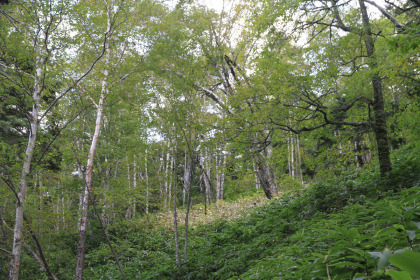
column 42, row 28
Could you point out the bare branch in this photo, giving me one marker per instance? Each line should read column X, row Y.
column 397, row 24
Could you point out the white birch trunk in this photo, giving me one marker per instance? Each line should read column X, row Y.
column 147, row 184
column 134, row 186
column 220, row 177
column 206, row 176
column 289, row 157
column 128, row 212
column 177, row 257
column 166, row 184
column 88, row 192
column 299, row 159
column 23, row 185
column 83, row 223
column 257, row 182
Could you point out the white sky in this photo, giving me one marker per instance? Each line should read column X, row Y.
column 213, row 4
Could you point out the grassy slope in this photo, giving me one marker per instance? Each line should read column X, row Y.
column 338, row 229
column 335, row 229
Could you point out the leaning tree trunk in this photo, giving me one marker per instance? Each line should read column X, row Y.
column 83, row 224
column 21, row 192
column 379, row 125
column 266, row 180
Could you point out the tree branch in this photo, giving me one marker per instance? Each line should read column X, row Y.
column 397, row 24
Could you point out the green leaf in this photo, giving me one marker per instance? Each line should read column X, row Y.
column 399, row 275
column 347, row 263
column 407, row 261
column 399, row 228
column 360, row 276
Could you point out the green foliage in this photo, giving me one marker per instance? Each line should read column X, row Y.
column 341, row 228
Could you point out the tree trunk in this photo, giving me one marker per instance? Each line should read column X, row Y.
column 187, row 188
column 379, row 126
column 220, row 177
column 21, row 192
column 134, row 186
column 264, row 176
column 128, row 212
column 299, row 159
column 257, row 181
column 187, row 178
column 147, row 183
column 88, row 193
column 167, row 184
column 289, row 155
column 177, row 259
column 187, row 213
column 87, row 196
column 206, row 176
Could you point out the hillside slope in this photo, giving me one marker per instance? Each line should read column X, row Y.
column 342, row 228
column 351, row 226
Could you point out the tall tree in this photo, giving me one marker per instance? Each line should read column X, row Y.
column 41, row 28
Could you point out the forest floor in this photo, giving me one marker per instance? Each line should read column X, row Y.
column 201, row 214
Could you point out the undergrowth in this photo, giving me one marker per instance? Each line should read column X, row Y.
column 352, row 226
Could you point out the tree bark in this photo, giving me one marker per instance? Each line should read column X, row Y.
column 379, row 126
column 88, row 193
column 128, row 212
column 167, row 185
column 266, row 182
column 220, row 177
column 134, row 186
column 87, row 196
column 175, row 216
column 21, row 192
column 147, row 183
column 187, row 188
column 206, row 176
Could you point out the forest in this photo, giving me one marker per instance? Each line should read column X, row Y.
column 231, row 139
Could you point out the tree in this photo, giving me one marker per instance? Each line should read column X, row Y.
column 316, row 89
column 41, row 28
